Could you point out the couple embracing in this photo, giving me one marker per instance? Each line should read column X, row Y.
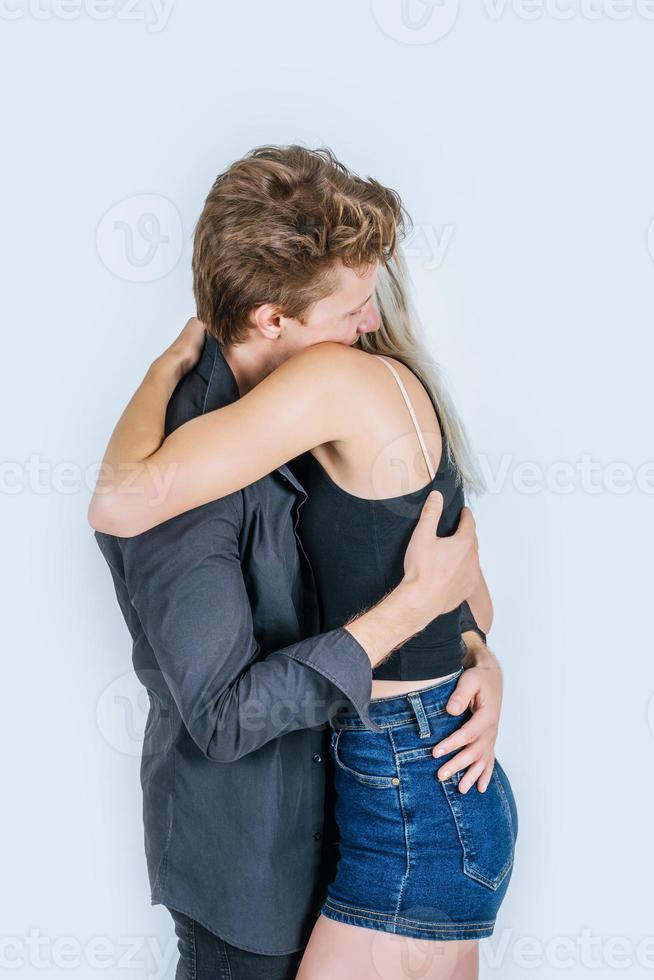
column 306, row 603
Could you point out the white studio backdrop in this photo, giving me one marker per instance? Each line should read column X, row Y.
column 520, row 137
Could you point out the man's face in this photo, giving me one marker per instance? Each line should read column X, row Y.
column 340, row 317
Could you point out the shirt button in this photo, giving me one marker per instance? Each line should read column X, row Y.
column 317, row 835
column 317, row 758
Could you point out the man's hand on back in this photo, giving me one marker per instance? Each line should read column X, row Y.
column 441, row 572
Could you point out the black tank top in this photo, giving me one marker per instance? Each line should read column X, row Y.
column 356, row 548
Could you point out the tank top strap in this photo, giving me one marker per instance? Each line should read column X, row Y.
column 412, row 413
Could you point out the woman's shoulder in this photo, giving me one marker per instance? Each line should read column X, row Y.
column 331, row 360
column 329, row 378
column 350, row 373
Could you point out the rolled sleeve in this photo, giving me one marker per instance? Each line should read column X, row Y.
column 343, row 661
column 185, row 583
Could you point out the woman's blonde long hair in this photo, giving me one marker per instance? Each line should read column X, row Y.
column 398, row 336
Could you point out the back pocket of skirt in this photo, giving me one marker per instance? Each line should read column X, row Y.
column 485, row 827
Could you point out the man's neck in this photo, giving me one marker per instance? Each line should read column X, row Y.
column 253, row 360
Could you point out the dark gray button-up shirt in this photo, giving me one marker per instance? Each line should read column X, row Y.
column 219, row 602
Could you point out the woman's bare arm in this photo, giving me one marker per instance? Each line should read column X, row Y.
column 146, row 479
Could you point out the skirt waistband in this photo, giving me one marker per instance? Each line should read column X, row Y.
column 401, row 709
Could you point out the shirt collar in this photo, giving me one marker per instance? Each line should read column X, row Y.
column 222, row 390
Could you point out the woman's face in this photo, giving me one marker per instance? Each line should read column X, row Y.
column 340, row 317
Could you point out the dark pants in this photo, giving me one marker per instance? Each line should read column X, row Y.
column 203, row 956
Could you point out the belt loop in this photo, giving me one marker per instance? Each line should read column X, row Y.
column 419, row 710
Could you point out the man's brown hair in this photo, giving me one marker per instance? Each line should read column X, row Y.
column 273, row 227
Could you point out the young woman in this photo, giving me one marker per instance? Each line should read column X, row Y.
column 424, row 853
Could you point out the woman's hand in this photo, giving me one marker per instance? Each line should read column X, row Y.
column 148, row 478
column 127, row 475
column 480, row 689
column 185, row 350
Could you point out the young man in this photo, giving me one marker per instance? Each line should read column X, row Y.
column 222, row 611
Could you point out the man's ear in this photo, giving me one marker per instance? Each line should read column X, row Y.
column 267, row 320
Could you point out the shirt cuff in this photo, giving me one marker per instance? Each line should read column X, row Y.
column 343, row 661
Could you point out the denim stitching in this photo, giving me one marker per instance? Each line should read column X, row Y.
column 393, row 721
column 405, row 717
column 192, row 951
column 454, row 805
column 425, row 690
column 374, row 782
column 507, row 808
column 419, row 710
column 391, row 918
column 402, row 920
column 435, row 934
column 407, row 840
column 494, row 883
column 410, row 755
column 452, row 796
column 226, row 972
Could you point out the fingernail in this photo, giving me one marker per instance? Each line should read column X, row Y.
column 438, row 753
column 446, row 774
column 455, row 705
column 435, row 495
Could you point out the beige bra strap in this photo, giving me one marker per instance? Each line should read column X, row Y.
column 409, row 405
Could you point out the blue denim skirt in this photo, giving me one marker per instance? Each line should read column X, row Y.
column 417, row 857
